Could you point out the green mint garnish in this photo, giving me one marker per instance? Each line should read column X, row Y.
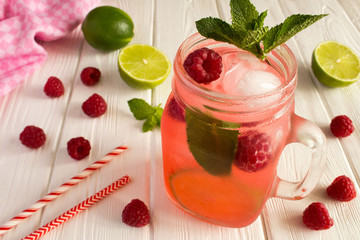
column 247, row 30
column 212, row 142
column 142, row 110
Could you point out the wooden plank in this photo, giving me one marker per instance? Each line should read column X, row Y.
column 168, row 221
column 27, row 171
column 116, row 127
column 352, row 8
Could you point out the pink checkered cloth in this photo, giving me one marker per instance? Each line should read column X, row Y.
column 22, row 22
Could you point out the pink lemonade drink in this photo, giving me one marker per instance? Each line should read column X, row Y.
column 222, row 141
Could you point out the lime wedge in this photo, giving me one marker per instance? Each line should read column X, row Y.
column 143, row 66
column 335, row 65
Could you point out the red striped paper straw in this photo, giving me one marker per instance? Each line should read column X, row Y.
column 77, row 209
column 60, row 190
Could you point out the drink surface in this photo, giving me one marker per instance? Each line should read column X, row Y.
column 234, row 198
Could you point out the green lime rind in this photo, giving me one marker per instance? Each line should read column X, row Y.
column 335, row 65
column 142, row 66
column 139, row 84
column 107, row 28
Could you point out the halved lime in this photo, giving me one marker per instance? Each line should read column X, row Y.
column 335, row 65
column 143, row 66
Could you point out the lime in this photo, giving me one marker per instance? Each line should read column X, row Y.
column 107, row 28
column 143, row 66
column 335, row 65
column 222, row 199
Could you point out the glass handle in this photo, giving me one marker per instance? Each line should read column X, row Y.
column 307, row 133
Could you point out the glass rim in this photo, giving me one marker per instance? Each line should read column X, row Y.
column 192, row 85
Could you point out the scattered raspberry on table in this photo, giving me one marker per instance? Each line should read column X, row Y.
column 94, row 106
column 78, row 148
column 136, row 214
column 316, row 217
column 54, row 87
column 342, row 189
column 32, row 136
column 90, row 76
column 341, row 126
column 203, row 65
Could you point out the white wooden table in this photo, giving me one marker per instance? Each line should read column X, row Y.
column 26, row 175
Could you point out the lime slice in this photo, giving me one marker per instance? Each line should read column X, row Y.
column 143, row 66
column 335, row 65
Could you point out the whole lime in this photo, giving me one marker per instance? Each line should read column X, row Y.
column 107, row 28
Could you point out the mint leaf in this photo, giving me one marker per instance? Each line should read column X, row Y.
column 254, row 36
column 158, row 113
column 284, row 31
column 243, row 14
column 259, row 22
column 142, row 110
column 251, row 41
column 212, row 142
column 218, row 30
column 149, row 124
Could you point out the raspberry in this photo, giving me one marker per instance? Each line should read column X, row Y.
column 317, row 217
column 203, row 65
column 176, row 111
column 253, row 152
column 342, row 189
column 136, row 214
column 341, row 126
column 90, row 76
column 32, row 137
column 78, row 148
column 94, row 106
column 54, row 87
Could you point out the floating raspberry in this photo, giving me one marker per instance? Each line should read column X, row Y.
column 54, row 87
column 136, row 214
column 342, row 189
column 78, row 148
column 90, row 76
column 203, row 65
column 253, row 152
column 176, row 111
column 32, row 137
column 341, row 126
column 94, row 106
column 317, row 217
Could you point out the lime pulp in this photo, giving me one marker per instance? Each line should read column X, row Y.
column 335, row 65
column 143, row 66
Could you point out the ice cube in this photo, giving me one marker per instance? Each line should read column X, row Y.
column 255, row 82
column 246, row 75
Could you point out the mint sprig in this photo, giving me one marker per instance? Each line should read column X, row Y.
column 142, row 110
column 247, row 30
